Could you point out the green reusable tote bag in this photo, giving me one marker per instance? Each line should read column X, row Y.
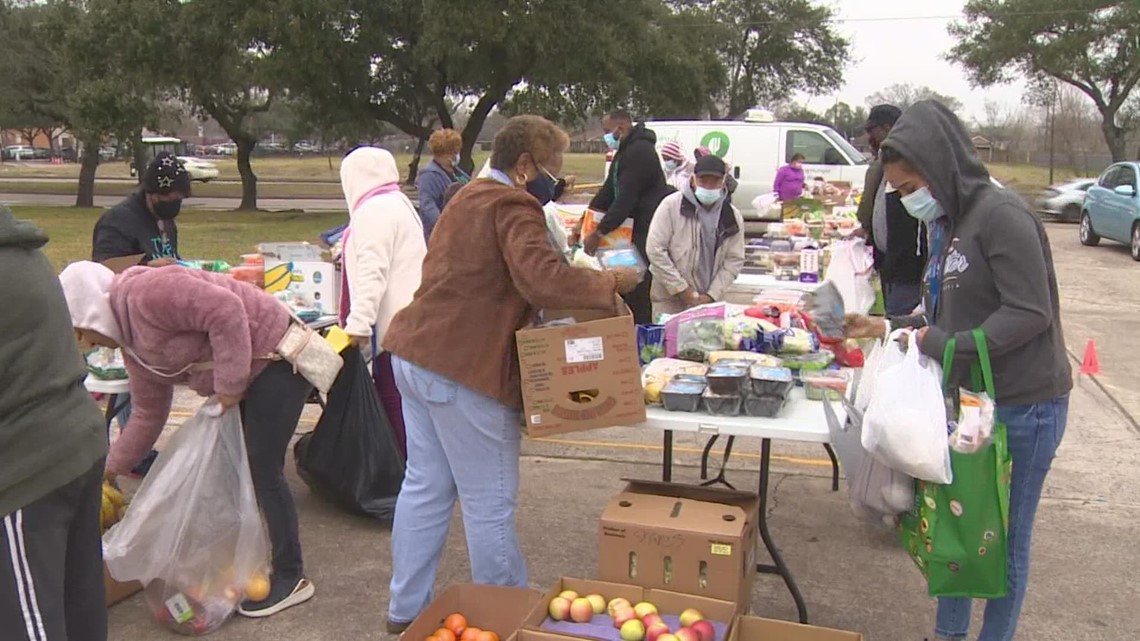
column 957, row 534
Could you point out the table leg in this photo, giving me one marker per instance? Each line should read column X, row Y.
column 778, row 566
column 719, row 478
column 834, row 467
column 667, row 462
column 705, row 456
column 111, row 412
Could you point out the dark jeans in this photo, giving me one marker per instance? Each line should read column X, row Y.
column 269, row 414
column 385, row 382
column 900, row 299
column 639, row 302
column 51, row 565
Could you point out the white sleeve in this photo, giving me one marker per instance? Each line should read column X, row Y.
column 373, row 236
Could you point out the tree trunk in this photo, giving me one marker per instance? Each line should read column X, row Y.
column 245, row 145
column 473, row 128
column 138, row 154
column 414, row 165
column 85, row 196
column 1114, row 136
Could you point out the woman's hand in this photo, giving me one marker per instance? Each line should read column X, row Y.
column 862, row 326
column 590, row 243
column 361, row 342
column 228, row 400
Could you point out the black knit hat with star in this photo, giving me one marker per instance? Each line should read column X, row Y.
column 165, row 174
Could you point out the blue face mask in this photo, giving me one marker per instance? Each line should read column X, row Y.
column 612, row 141
column 921, row 205
column 707, row 197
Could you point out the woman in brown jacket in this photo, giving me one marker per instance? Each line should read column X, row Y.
column 488, row 270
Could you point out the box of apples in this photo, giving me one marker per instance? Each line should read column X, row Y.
column 470, row 612
column 619, row 612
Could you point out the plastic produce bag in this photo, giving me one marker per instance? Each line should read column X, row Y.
column 717, row 311
column 351, row 458
column 850, row 269
column 877, row 493
column 194, row 535
column 697, row 338
column 905, row 425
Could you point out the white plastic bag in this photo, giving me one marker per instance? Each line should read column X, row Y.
column 905, row 425
column 877, row 493
column 884, row 354
column 850, row 270
column 194, row 535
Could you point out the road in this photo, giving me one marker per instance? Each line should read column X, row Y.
column 269, row 204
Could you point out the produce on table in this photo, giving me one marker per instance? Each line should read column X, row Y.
column 727, row 380
column 680, row 395
column 698, row 338
column 751, row 357
column 658, row 373
column 830, row 382
column 719, row 405
column 650, row 343
column 640, row 622
column 113, row 507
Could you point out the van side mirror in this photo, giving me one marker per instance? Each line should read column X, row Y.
column 1125, row 190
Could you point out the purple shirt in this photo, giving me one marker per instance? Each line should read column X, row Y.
column 789, row 183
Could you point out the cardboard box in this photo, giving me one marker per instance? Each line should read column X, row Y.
column 488, row 607
column 721, row 613
column 117, row 591
column 581, row 376
column 756, row 629
column 316, row 283
column 690, row 539
column 287, row 252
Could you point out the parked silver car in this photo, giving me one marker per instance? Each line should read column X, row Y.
column 1064, row 201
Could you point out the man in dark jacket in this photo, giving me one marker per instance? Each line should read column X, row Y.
column 633, row 189
column 144, row 222
column 51, row 461
column 898, row 239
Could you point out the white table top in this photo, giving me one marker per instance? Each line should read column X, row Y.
column 101, row 386
column 757, row 282
column 800, row 420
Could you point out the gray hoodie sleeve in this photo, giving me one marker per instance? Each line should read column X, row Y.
column 1012, row 242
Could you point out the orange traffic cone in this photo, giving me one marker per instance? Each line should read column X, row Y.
column 1090, row 364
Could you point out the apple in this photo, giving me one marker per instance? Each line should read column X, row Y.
column 559, row 609
column 656, row 630
column 598, row 602
column 650, row 619
column 644, row 609
column 581, row 610
column 619, row 602
column 633, row 630
column 622, row 615
column 687, row 634
column 569, row 595
column 690, row 616
column 668, row 636
column 704, row 630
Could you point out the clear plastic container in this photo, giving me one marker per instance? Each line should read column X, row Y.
column 830, row 382
column 728, row 380
column 764, row 405
column 771, row 381
column 627, row 257
column 722, row 405
column 682, row 395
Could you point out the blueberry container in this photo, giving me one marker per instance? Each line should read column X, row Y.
column 771, row 381
column 764, row 405
column 682, row 395
column 727, row 380
column 722, row 405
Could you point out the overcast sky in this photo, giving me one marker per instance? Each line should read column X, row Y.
column 905, row 41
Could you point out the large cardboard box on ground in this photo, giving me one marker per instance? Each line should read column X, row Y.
column 669, row 604
column 580, row 376
column 756, row 629
column 487, row 607
column 117, row 591
column 684, row 538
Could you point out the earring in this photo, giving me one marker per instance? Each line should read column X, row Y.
column 520, row 178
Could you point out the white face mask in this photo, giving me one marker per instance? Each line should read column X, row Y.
column 922, row 205
column 671, row 165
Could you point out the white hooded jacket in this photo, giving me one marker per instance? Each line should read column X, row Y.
column 385, row 247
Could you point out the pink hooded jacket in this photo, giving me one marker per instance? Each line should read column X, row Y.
column 173, row 317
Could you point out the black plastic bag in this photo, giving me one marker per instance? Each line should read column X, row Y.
column 351, row 458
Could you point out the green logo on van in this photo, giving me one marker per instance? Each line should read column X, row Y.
column 717, row 143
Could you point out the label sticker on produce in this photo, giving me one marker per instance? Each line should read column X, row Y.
column 536, row 419
column 179, row 608
column 721, row 549
column 584, row 350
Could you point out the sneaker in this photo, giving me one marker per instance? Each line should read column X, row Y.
column 397, row 628
column 281, row 597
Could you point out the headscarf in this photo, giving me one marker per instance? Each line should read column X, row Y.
column 87, row 287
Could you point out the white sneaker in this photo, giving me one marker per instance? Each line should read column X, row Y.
column 302, row 592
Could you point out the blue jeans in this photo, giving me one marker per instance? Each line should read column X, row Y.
column 461, row 444
column 901, row 299
column 1034, row 431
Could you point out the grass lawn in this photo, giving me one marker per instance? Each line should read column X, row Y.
column 1028, row 180
column 201, row 190
column 202, row 234
column 587, row 167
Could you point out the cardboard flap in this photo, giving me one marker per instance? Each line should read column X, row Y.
column 749, row 502
column 675, row 513
column 499, row 609
column 749, row 628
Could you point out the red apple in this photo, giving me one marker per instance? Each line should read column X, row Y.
column 691, row 616
column 650, row 619
column 704, row 630
column 559, row 609
column 686, row 634
column 581, row 610
column 621, row 615
column 569, row 595
column 656, row 631
column 633, row 630
column 617, row 603
column 644, row 609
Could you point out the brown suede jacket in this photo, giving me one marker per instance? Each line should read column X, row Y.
column 488, row 269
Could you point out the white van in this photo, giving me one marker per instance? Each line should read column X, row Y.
column 756, row 150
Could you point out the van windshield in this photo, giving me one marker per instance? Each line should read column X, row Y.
column 854, row 154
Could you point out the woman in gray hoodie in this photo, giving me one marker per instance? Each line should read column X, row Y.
column 991, row 267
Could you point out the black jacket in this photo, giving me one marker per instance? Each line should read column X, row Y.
column 634, row 187
column 129, row 228
column 906, row 254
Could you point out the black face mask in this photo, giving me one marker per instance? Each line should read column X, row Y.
column 546, row 189
column 167, row 210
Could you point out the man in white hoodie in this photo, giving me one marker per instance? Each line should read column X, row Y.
column 384, row 251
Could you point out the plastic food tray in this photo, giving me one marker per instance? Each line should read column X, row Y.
column 764, row 406
column 682, row 395
column 719, row 405
column 771, row 381
column 727, row 380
